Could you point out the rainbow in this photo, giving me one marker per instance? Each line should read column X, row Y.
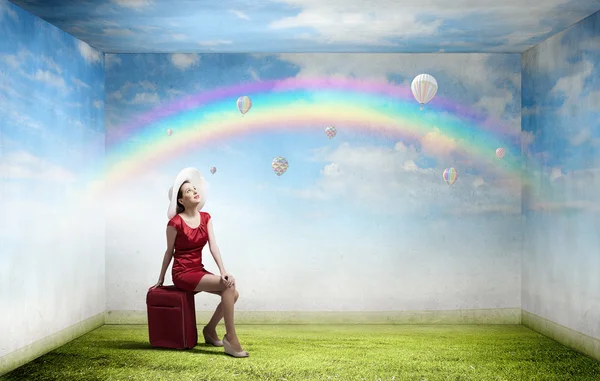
column 299, row 105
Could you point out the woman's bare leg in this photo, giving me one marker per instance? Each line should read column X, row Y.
column 218, row 315
column 211, row 282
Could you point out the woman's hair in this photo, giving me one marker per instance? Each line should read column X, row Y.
column 180, row 207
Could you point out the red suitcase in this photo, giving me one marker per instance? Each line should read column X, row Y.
column 171, row 318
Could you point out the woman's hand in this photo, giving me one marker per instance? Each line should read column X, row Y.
column 158, row 284
column 228, row 279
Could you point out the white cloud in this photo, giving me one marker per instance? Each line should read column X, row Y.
column 133, row 4
column 561, row 207
column 521, row 36
column 148, row 95
column 173, row 93
column 392, row 22
column 571, row 85
column 535, row 110
column 90, row 54
column 581, row 137
column 79, row 83
column 527, row 138
column 571, row 191
column 184, row 61
column 117, row 95
column 18, row 61
column 555, row 173
column 77, row 30
column 19, row 119
column 342, row 21
column 240, row 14
column 495, row 104
column 388, row 181
column 148, row 28
column 179, row 36
column 552, row 55
column 11, row 60
column 214, row 43
column 513, row 208
column 145, row 84
column 436, row 144
column 142, row 98
column 479, row 181
column 254, row 74
column 5, row 9
column 52, row 64
column 117, row 32
column 50, row 78
column 24, row 165
column 590, row 44
column 111, row 60
column 6, row 91
column 592, row 100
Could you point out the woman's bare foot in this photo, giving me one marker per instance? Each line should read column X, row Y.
column 235, row 343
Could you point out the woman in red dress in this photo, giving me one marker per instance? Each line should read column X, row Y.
column 188, row 231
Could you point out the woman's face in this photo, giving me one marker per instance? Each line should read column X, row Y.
column 189, row 195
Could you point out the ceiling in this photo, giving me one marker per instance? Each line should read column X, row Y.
column 264, row 26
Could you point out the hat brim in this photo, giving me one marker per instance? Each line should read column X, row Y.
column 196, row 179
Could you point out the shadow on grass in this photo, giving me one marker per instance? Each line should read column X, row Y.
column 137, row 345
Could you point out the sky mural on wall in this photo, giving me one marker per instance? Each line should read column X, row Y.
column 282, row 26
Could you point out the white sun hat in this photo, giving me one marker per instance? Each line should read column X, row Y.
column 196, row 179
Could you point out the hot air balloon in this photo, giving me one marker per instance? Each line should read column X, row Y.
column 213, row 170
column 280, row 165
column 450, row 175
column 169, row 132
column 424, row 87
column 500, row 153
column 244, row 104
column 330, row 132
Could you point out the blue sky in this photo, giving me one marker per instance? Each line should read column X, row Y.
column 67, row 106
column 311, row 25
column 561, row 112
column 68, row 111
column 393, row 180
column 51, row 101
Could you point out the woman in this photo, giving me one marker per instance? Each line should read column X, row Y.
column 188, row 231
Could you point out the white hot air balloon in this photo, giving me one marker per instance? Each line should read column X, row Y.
column 424, row 87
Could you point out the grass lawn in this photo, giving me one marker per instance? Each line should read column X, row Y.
column 320, row 352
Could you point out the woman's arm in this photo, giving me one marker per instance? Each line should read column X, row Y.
column 214, row 249
column 171, row 234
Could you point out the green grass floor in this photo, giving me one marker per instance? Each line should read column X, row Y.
column 320, row 352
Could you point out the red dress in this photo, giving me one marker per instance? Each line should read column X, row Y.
column 187, row 258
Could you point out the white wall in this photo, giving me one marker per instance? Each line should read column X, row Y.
column 282, row 264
